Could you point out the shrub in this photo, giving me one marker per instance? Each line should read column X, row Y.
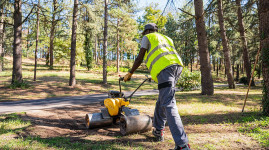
column 22, row 85
column 243, row 80
column 189, row 80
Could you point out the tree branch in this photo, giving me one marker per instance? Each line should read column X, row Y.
column 187, row 13
column 7, row 23
column 28, row 14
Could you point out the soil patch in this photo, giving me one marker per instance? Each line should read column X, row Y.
column 69, row 122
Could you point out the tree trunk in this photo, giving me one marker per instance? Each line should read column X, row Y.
column 47, row 57
column 220, row 60
column 217, row 67
column 247, row 64
column 1, row 38
column 37, row 32
column 28, row 41
column 226, row 51
column 95, row 54
column 206, row 80
column 264, row 34
column 118, row 46
column 52, row 32
column 17, row 55
column 214, row 63
column 105, row 45
column 259, row 71
column 237, row 73
column 72, row 81
column 191, row 61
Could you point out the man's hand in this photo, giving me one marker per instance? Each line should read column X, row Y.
column 127, row 77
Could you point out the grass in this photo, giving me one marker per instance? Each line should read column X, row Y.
column 256, row 127
column 54, row 83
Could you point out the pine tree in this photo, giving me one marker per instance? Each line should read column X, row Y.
column 206, row 80
column 264, row 35
column 88, row 51
column 226, row 50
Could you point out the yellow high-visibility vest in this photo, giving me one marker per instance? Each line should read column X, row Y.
column 161, row 54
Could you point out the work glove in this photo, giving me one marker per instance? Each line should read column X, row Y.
column 127, row 77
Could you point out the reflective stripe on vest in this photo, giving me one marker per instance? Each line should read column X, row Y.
column 161, row 55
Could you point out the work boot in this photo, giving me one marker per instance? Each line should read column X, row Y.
column 159, row 134
column 182, row 147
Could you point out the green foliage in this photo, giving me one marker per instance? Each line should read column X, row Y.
column 22, row 85
column 243, row 80
column 61, row 50
column 189, row 80
column 88, row 51
column 258, row 129
column 152, row 15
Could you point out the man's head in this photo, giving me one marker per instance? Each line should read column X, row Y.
column 150, row 28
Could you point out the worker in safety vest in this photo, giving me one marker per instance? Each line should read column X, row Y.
column 165, row 67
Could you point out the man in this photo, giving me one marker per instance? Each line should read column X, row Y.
column 165, row 67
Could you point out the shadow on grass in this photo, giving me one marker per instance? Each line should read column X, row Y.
column 233, row 117
column 11, row 119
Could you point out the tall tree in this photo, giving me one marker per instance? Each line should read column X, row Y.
column 118, row 45
column 17, row 55
column 52, row 32
column 72, row 80
column 206, row 79
column 1, row 36
column 37, row 33
column 105, row 45
column 226, row 51
column 264, row 43
column 247, row 64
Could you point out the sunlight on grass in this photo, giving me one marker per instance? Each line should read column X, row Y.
column 205, row 108
column 11, row 123
column 257, row 128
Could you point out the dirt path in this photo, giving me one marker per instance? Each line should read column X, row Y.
column 26, row 105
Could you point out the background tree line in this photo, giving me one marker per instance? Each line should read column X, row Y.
column 219, row 37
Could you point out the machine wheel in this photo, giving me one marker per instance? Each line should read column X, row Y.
column 135, row 124
column 96, row 120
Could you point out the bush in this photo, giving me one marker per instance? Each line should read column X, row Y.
column 243, row 80
column 189, row 80
column 22, row 85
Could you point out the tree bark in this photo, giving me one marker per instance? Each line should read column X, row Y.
column 217, row 67
column 52, row 33
column 95, row 54
column 1, row 38
column 214, row 63
column 105, row 45
column 17, row 55
column 237, row 73
column 226, row 51
column 259, row 70
column 37, row 32
column 205, row 67
column 264, row 43
column 247, row 64
column 72, row 81
column 118, row 46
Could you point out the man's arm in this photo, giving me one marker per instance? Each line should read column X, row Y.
column 138, row 60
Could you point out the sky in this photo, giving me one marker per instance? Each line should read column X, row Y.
column 162, row 4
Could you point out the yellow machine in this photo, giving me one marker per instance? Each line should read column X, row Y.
column 114, row 104
column 116, row 110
